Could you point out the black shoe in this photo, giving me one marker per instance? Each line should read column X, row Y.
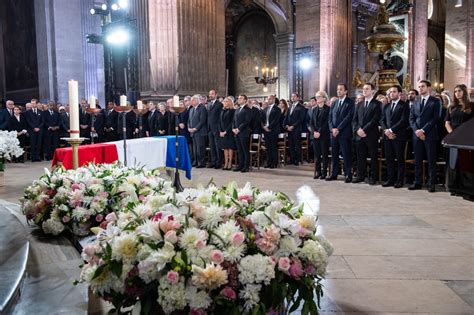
column 194, row 164
column 244, row 170
column 387, row 184
column 323, row 177
column 296, row 163
column 237, row 169
column 398, row 185
column 372, row 182
column 316, row 176
column 358, row 180
column 331, row 178
column 218, row 167
column 210, row 166
column 414, row 187
column 201, row 166
column 431, row 188
column 272, row 167
column 348, row 180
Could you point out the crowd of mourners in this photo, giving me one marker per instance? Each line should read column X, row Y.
column 348, row 136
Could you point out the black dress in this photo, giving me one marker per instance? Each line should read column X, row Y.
column 225, row 124
column 456, row 116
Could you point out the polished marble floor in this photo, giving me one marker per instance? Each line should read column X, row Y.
column 396, row 251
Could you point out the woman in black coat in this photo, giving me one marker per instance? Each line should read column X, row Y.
column 226, row 140
column 162, row 121
column 320, row 128
column 17, row 123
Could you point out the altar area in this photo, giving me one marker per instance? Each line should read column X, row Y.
column 417, row 251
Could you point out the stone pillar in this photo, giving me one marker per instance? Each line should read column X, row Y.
column 187, row 48
column 336, row 44
column 420, row 44
column 459, row 49
column 59, row 47
column 2, row 66
column 284, row 55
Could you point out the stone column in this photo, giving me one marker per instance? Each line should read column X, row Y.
column 187, row 48
column 336, row 44
column 2, row 66
column 284, row 59
column 470, row 47
column 420, row 44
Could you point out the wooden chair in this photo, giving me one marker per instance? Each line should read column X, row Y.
column 255, row 150
column 305, row 146
column 282, row 148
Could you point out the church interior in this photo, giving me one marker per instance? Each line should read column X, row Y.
column 395, row 203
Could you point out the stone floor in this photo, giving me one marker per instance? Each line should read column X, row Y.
column 396, row 251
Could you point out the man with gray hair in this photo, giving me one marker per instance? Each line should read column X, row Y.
column 5, row 115
column 197, row 127
column 214, row 109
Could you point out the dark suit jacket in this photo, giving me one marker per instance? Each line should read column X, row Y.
column 183, row 119
column 130, row 120
column 367, row 119
column 213, row 116
column 274, row 119
column 4, row 118
column 50, row 120
column 111, row 119
column 198, row 119
column 15, row 125
column 397, row 120
column 296, row 118
column 320, row 121
column 242, row 120
column 99, row 124
column 256, row 123
column 427, row 118
column 34, row 120
column 226, row 120
column 64, row 125
column 340, row 117
column 162, row 122
column 152, row 122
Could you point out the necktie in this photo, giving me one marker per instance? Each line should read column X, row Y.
column 366, row 104
column 36, row 112
column 422, row 104
column 292, row 108
column 393, row 106
column 11, row 112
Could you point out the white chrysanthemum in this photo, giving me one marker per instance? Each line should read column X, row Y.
column 212, row 216
column 163, row 256
column 81, row 213
column 171, row 297
column 197, row 299
column 265, row 197
column 142, row 211
column 256, row 269
column 258, row 218
column 190, row 236
column 187, row 195
column 147, row 270
column 288, row 246
column 251, row 295
column 315, row 254
column 144, row 251
column 234, row 253
column 124, row 247
column 225, row 231
column 52, row 226
column 246, row 190
column 124, row 218
column 156, row 201
column 149, row 231
column 101, row 284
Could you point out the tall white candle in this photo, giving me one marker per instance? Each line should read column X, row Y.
column 92, row 102
column 176, row 101
column 73, row 109
column 123, row 100
column 139, row 105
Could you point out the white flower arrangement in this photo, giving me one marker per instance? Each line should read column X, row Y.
column 9, row 145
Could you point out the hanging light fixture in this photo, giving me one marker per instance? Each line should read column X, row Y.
column 265, row 75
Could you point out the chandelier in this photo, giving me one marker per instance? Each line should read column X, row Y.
column 267, row 75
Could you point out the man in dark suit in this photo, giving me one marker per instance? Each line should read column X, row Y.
column 340, row 119
column 214, row 109
column 84, row 121
column 271, row 129
column 256, row 123
column 394, row 124
column 197, row 126
column 51, row 124
column 130, row 121
column 111, row 123
column 152, row 120
column 293, row 124
column 424, row 115
column 319, row 127
column 97, row 130
column 183, row 124
column 5, row 114
column 242, row 129
column 366, row 128
column 64, row 121
column 35, row 128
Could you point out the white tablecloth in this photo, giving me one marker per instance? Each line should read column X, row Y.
column 148, row 152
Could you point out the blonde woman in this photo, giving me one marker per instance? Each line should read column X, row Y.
column 320, row 129
column 226, row 140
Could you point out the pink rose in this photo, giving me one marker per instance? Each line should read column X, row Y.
column 237, row 238
column 111, row 217
column 99, row 217
column 157, row 216
column 199, row 244
column 171, row 237
column 229, row 293
column 141, row 198
column 172, row 277
column 217, row 256
column 296, row 269
column 284, row 264
column 66, row 219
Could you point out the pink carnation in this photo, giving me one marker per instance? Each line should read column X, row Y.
column 217, row 256
column 229, row 293
column 237, row 238
column 284, row 264
column 111, row 217
column 171, row 237
column 172, row 277
column 296, row 269
column 199, row 244
column 246, row 198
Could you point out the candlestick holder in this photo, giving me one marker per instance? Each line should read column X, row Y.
column 140, row 113
column 93, row 112
column 123, row 110
column 75, row 142
column 177, row 110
